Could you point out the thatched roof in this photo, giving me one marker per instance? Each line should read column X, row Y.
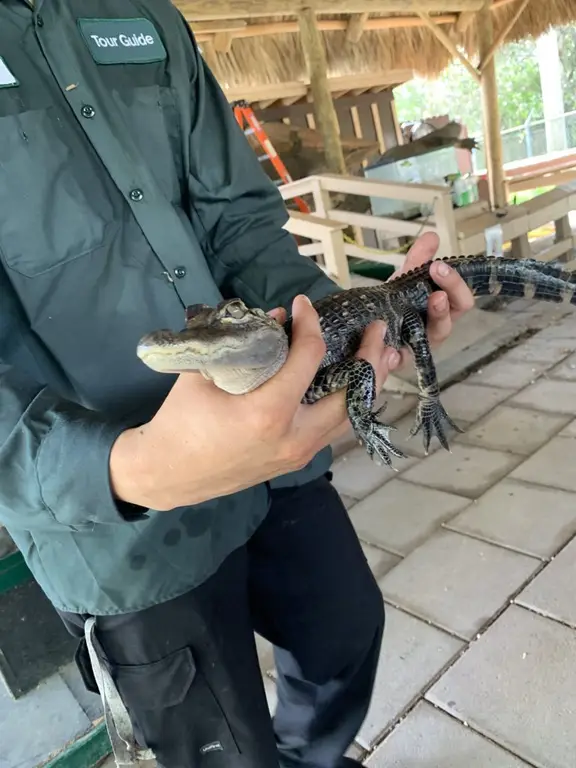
column 261, row 55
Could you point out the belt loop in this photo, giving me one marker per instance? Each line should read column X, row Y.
column 118, row 723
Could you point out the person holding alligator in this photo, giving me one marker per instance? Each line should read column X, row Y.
column 170, row 517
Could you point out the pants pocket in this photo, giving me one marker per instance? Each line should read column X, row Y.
column 175, row 712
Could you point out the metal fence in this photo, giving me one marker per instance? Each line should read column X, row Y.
column 532, row 139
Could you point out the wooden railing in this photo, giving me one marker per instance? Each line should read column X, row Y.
column 326, row 224
column 462, row 231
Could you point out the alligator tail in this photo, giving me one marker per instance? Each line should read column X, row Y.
column 517, row 278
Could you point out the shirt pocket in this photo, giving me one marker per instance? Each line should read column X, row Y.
column 54, row 198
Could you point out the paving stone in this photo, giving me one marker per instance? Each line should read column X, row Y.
column 516, row 685
column 411, row 446
column 517, row 430
column 570, row 430
column 549, row 395
column 39, row 723
column 348, row 501
column 468, row 470
column 538, row 350
column 91, row 703
column 528, row 518
column 456, row 582
column 507, row 374
column 466, row 403
column 413, row 654
column 566, row 329
column 355, row 752
column 265, row 651
column 397, row 406
column 380, row 562
column 400, row 516
column 430, row 738
column 552, row 591
column 566, row 370
column 553, row 465
column 519, row 305
column 271, row 694
column 356, row 475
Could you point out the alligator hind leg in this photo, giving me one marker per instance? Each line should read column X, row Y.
column 431, row 418
column 359, row 379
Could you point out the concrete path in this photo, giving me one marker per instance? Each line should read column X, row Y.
column 475, row 553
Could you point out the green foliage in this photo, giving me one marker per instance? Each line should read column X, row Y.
column 567, row 48
column 457, row 94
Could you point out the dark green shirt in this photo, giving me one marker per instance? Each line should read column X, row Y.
column 127, row 191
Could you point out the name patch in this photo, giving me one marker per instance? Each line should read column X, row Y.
column 7, row 79
column 122, row 41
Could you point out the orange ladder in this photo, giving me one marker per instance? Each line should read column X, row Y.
column 244, row 113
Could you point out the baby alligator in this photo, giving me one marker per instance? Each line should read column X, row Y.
column 239, row 348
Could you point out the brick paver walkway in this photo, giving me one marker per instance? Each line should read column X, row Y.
column 475, row 553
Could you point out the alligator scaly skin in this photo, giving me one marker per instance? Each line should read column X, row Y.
column 402, row 304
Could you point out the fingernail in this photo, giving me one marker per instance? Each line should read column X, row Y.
column 443, row 269
column 393, row 359
column 305, row 298
column 441, row 304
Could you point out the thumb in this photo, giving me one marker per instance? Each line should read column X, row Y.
column 306, row 352
column 382, row 358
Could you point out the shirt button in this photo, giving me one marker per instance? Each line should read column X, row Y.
column 180, row 271
column 136, row 195
column 39, row 21
column 88, row 111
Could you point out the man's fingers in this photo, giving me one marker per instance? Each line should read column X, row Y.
column 423, row 250
column 306, row 352
column 383, row 359
column 372, row 344
column 459, row 295
column 279, row 314
column 439, row 318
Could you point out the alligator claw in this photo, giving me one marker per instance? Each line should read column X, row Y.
column 432, row 419
column 375, row 437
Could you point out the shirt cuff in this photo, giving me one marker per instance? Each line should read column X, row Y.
column 73, row 472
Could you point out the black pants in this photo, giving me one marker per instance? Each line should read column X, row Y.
column 187, row 669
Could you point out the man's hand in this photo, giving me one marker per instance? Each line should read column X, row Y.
column 446, row 306
column 204, row 443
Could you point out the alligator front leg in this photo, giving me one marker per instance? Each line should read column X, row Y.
column 359, row 380
column 431, row 417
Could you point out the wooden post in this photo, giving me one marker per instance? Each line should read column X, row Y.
column 490, row 110
column 326, row 117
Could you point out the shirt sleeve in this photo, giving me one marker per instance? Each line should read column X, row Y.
column 54, row 461
column 236, row 208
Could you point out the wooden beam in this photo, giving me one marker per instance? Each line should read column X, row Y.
column 355, row 27
column 207, row 10
column 210, row 58
column 463, row 21
column 223, row 42
column 445, row 40
column 287, row 101
column 212, row 27
column 501, row 37
column 298, row 90
column 328, row 25
column 491, row 112
column 326, row 118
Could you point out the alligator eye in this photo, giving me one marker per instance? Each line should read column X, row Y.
column 236, row 310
